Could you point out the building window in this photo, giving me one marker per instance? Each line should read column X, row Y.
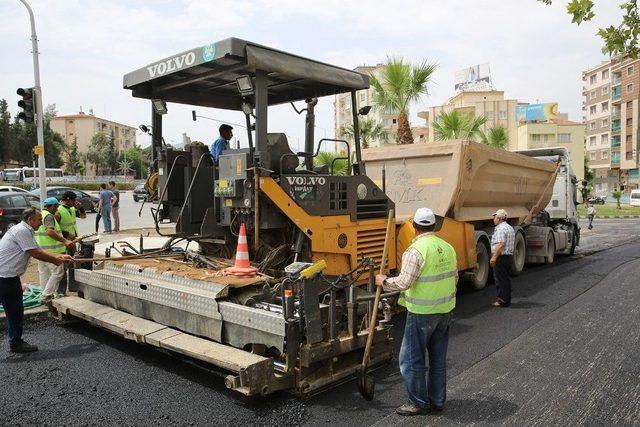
column 629, row 70
column 502, row 115
column 70, row 122
column 395, row 121
column 605, row 90
column 593, row 79
column 628, row 139
column 629, row 121
column 535, row 137
column 629, row 87
column 592, row 141
column 592, row 155
column 545, row 137
column 592, row 109
column 605, row 106
column 592, row 95
column 605, row 123
column 564, row 137
column 604, row 155
column 362, row 97
column 489, row 115
column 605, row 74
column 629, row 155
column 592, row 125
column 604, row 139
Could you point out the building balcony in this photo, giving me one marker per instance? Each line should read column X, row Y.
column 616, row 80
column 615, row 141
column 615, row 112
column 616, row 93
column 615, row 158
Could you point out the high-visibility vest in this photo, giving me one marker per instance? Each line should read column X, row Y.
column 45, row 242
column 434, row 292
column 68, row 220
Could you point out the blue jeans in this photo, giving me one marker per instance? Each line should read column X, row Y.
column 425, row 335
column 106, row 218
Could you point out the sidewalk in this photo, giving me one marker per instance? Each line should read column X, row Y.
column 580, row 365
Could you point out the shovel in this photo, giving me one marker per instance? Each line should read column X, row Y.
column 366, row 385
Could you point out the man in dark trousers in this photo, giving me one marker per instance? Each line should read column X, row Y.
column 502, row 243
column 17, row 245
column 428, row 280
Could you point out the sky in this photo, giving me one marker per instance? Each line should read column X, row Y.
column 536, row 54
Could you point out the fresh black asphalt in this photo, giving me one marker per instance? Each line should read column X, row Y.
column 84, row 375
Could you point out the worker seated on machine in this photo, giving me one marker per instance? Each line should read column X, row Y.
column 222, row 143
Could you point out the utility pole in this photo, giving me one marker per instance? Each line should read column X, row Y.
column 39, row 108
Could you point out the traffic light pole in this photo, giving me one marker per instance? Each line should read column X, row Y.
column 39, row 108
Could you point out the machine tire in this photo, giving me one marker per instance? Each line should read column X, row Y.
column 478, row 277
column 519, row 254
column 551, row 250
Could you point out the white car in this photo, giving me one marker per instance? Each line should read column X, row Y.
column 7, row 188
column 634, row 199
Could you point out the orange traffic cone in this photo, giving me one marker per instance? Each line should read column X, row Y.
column 242, row 267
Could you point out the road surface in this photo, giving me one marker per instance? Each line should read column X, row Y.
column 564, row 353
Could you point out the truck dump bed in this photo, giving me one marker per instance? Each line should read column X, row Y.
column 463, row 180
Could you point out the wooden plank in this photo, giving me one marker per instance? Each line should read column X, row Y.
column 128, row 325
column 80, row 307
column 220, row 355
column 156, row 338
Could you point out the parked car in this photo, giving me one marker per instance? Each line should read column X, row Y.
column 634, row 198
column 597, row 200
column 139, row 193
column 7, row 188
column 11, row 206
column 89, row 202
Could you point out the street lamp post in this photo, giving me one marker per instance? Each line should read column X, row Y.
column 39, row 107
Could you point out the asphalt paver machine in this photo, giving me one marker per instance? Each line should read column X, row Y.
column 316, row 237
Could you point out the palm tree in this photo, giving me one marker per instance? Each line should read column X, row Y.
column 398, row 85
column 617, row 194
column 326, row 158
column 497, row 137
column 457, row 125
column 369, row 130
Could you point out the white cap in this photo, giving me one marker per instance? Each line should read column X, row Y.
column 424, row 217
column 501, row 213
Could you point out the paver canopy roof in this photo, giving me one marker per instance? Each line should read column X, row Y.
column 206, row 76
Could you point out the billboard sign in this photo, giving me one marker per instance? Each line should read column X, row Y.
column 537, row 112
column 475, row 78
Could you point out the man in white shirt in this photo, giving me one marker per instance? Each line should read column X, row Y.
column 591, row 213
column 502, row 244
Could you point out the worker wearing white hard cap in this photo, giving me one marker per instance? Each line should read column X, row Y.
column 428, row 280
column 502, row 244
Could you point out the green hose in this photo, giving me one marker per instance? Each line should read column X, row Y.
column 30, row 299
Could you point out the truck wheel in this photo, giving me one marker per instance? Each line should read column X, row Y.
column 551, row 250
column 519, row 255
column 477, row 278
column 574, row 241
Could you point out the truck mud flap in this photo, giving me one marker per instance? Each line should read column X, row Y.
column 254, row 374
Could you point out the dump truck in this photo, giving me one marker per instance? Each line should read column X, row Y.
column 315, row 238
column 465, row 182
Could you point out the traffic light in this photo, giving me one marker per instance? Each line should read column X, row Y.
column 27, row 103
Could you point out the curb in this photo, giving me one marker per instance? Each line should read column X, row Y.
column 614, row 217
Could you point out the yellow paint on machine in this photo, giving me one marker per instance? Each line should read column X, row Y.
column 430, row 181
column 363, row 237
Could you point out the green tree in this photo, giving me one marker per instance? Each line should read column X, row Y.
column 112, row 156
column 369, row 130
column 99, row 153
column 457, row 125
column 74, row 163
column 326, row 158
column 399, row 84
column 6, row 137
column 616, row 195
column 619, row 40
column 25, row 138
column 497, row 136
column 587, row 184
column 135, row 158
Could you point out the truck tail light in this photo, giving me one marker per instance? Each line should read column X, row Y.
column 1, row 211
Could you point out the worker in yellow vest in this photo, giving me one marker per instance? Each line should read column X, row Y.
column 50, row 239
column 67, row 214
column 428, row 281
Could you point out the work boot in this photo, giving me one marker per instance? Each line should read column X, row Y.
column 410, row 409
column 23, row 347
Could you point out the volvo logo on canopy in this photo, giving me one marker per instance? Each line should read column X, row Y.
column 172, row 64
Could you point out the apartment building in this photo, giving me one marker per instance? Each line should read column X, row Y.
column 491, row 104
column 343, row 112
column 611, row 90
column 555, row 133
